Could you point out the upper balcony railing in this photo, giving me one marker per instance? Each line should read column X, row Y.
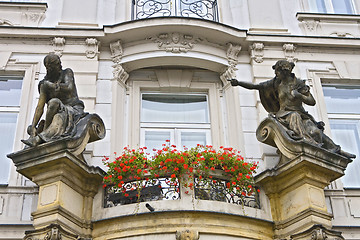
column 204, row 9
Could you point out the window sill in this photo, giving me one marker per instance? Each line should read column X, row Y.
column 301, row 16
column 323, row 24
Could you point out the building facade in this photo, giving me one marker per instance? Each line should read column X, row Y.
column 133, row 59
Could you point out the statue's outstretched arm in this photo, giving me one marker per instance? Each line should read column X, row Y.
column 246, row 85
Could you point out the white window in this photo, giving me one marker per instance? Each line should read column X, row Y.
column 181, row 118
column 332, row 6
column 344, row 115
column 10, row 91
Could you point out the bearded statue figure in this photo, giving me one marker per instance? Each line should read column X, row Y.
column 64, row 108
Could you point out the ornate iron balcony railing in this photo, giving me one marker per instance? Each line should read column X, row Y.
column 204, row 9
column 163, row 188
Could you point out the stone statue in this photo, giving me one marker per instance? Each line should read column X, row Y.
column 283, row 97
column 65, row 116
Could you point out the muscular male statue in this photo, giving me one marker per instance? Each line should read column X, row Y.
column 283, row 97
column 64, row 108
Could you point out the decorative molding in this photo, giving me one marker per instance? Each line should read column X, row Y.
column 228, row 73
column 342, row 34
column 92, row 46
column 289, row 52
column 232, row 53
column 175, row 42
column 34, row 18
column 59, row 44
column 187, row 235
column 51, row 232
column 5, row 22
column 311, row 25
column 257, row 52
column 318, row 232
column 116, row 51
column 119, row 73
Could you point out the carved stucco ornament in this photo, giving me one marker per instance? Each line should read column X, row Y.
column 59, row 44
column 117, row 52
column 318, row 232
column 5, row 22
column 92, row 46
column 34, row 18
column 232, row 54
column 119, row 73
column 51, row 232
column 257, row 52
column 187, row 235
column 289, row 52
column 311, row 25
column 175, row 42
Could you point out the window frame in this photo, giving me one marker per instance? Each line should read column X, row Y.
column 329, row 8
column 29, row 70
column 134, row 107
column 341, row 117
column 175, row 128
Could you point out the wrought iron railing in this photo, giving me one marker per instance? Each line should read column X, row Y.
column 219, row 192
column 151, row 190
column 204, row 9
column 164, row 188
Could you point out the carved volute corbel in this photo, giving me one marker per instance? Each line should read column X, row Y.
column 228, row 73
column 59, row 44
column 187, row 235
column 257, row 52
column 119, row 73
column 232, row 53
column 92, row 46
column 289, row 52
column 116, row 55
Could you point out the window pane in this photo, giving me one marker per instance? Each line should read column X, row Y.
column 191, row 139
column 7, row 129
column 346, row 134
column 320, row 4
column 341, row 99
column 342, row 6
column 155, row 139
column 10, row 90
column 174, row 108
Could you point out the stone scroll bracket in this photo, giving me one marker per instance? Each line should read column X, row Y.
column 117, row 53
column 232, row 56
column 289, row 52
column 257, row 52
column 92, row 47
column 58, row 44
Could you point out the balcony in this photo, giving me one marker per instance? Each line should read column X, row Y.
column 203, row 9
column 164, row 188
